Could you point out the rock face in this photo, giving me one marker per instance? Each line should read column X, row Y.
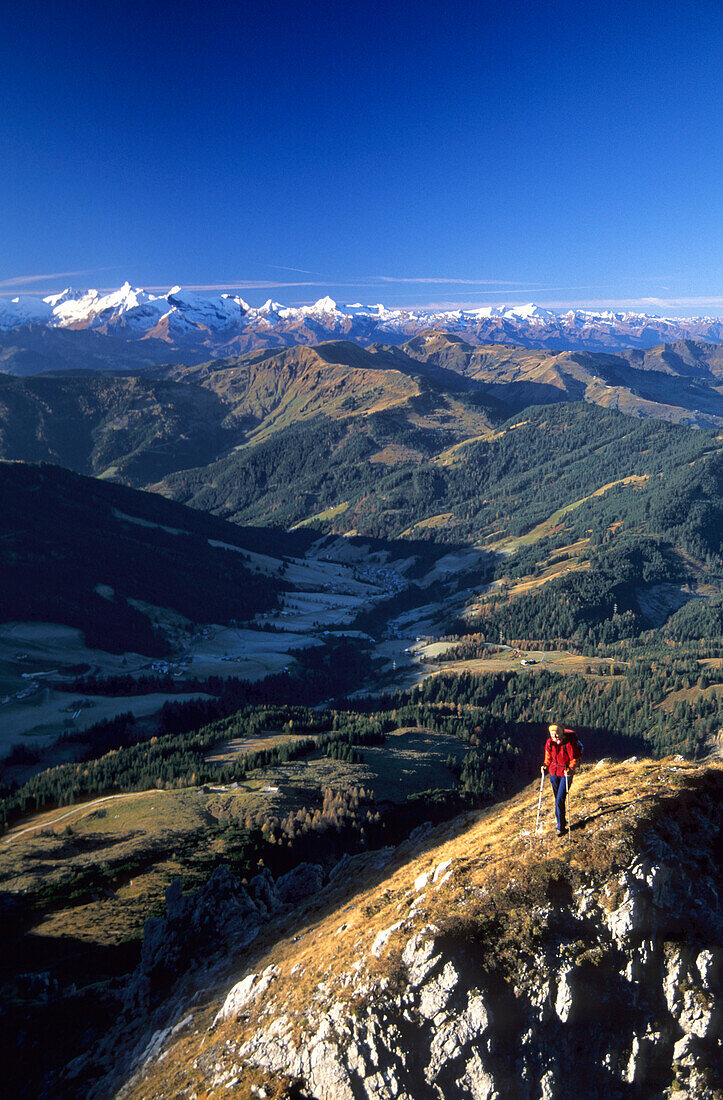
column 194, row 939
column 620, row 998
column 224, row 913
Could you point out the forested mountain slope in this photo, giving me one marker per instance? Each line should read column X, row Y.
column 130, row 428
column 657, row 478
column 76, row 551
column 139, row 428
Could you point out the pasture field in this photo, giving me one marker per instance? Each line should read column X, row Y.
column 411, row 760
column 505, row 660
column 247, row 654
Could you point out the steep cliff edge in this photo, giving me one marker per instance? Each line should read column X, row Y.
column 492, row 962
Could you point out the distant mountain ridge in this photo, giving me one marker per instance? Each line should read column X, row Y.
column 182, row 325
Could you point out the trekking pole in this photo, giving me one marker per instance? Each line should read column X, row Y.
column 539, row 801
column 569, row 811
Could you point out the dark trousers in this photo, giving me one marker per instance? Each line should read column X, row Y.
column 560, row 784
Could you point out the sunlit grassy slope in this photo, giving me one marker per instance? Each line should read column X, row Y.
column 492, row 870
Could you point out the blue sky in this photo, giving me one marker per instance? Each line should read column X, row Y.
column 465, row 153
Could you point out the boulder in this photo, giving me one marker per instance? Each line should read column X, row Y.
column 244, row 992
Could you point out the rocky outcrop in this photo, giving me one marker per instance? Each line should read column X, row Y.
column 182, row 953
column 186, row 954
column 223, row 914
column 617, row 997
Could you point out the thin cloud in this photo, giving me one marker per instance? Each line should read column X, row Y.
column 714, row 300
column 643, row 304
column 301, row 270
column 24, row 280
column 526, row 287
column 441, row 281
column 525, row 283
column 365, row 281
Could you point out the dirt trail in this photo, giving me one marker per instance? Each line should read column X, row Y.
column 50, row 822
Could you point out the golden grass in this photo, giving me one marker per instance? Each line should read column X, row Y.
column 557, row 569
column 510, row 545
column 328, row 513
column 453, row 454
column 443, row 519
column 691, row 695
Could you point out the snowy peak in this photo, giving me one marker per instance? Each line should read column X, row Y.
column 324, row 305
column 67, row 295
column 225, row 323
column 24, row 310
column 189, row 309
column 269, row 307
column 92, row 309
column 529, row 312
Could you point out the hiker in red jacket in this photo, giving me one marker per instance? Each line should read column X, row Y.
column 562, row 753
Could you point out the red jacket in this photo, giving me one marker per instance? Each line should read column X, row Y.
column 562, row 756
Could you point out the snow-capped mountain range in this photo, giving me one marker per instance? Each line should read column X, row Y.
column 226, row 324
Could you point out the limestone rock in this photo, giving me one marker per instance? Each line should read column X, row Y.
column 709, row 965
column 440, row 871
column 421, row 881
column 564, row 998
column 245, row 991
column 302, row 882
column 263, row 892
column 452, row 1037
column 436, row 992
column 382, row 938
column 419, row 957
column 476, row 1081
